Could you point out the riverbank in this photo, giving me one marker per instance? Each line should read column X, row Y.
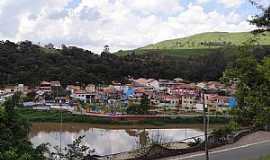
column 54, row 116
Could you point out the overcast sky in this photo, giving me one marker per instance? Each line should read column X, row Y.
column 122, row 24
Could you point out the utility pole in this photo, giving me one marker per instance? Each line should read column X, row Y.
column 61, row 123
column 205, row 122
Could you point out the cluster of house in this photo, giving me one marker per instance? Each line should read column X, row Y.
column 164, row 95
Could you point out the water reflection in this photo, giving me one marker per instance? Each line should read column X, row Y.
column 108, row 139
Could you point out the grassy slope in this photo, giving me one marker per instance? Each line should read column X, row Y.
column 195, row 41
column 265, row 158
column 195, row 45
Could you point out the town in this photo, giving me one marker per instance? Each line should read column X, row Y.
column 163, row 96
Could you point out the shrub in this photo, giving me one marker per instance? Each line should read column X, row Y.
column 228, row 129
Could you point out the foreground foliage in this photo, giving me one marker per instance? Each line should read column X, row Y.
column 14, row 143
column 14, row 129
column 253, row 89
column 252, row 76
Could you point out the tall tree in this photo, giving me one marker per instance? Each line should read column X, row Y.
column 253, row 87
column 14, row 143
column 145, row 104
column 262, row 21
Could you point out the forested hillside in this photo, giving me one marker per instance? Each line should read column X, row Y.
column 28, row 63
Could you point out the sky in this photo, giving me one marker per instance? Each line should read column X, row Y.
column 121, row 24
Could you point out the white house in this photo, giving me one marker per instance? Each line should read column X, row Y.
column 90, row 88
column 83, row 96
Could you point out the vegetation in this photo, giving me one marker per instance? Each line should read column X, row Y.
column 210, row 40
column 53, row 116
column 141, row 108
column 74, row 151
column 228, row 129
column 252, row 76
column 179, row 53
column 262, row 21
column 14, row 143
column 14, row 131
column 29, row 64
column 199, row 44
column 265, row 158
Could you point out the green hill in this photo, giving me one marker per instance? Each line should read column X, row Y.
column 198, row 44
column 210, row 40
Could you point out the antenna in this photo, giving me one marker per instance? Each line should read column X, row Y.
column 61, row 127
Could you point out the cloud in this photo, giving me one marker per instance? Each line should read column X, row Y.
column 122, row 24
column 196, row 20
column 231, row 3
column 202, row 1
column 226, row 3
column 155, row 6
column 264, row 2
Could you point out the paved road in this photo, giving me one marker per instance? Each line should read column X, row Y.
column 246, row 152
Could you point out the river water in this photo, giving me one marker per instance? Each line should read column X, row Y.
column 107, row 139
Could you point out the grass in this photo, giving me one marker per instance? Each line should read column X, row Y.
column 196, row 44
column 198, row 41
column 265, row 158
column 54, row 116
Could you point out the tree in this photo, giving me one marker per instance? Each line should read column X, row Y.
column 141, row 108
column 133, row 109
column 253, row 87
column 15, row 145
column 252, row 75
column 29, row 64
column 145, row 104
column 74, row 151
column 262, row 21
column 14, row 131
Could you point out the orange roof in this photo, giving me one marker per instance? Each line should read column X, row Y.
column 141, row 80
column 140, row 90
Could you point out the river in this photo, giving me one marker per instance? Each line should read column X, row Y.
column 109, row 139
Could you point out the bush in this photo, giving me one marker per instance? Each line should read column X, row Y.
column 228, row 129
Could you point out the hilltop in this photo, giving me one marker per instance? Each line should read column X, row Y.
column 210, row 40
column 199, row 44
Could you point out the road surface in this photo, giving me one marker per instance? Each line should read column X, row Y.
column 251, row 147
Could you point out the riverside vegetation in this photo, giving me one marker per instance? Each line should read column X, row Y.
column 53, row 116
